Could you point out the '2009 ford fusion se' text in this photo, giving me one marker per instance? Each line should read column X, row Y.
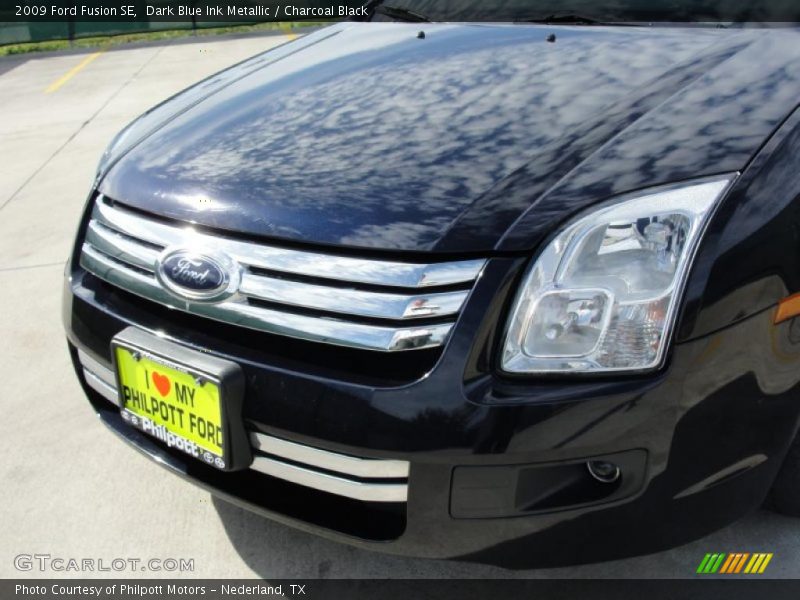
column 520, row 291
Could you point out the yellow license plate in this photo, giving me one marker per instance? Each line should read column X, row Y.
column 172, row 403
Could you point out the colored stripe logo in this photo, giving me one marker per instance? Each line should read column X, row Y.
column 735, row 563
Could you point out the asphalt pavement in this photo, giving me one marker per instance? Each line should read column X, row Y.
column 70, row 488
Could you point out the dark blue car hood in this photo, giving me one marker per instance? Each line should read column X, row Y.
column 477, row 138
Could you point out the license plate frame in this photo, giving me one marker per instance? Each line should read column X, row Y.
column 180, row 364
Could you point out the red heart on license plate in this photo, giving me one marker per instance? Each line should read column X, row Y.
column 162, row 383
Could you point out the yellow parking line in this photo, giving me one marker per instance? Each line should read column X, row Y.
column 287, row 31
column 72, row 72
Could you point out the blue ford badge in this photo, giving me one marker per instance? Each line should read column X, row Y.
column 197, row 276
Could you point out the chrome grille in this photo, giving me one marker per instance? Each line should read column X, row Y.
column 358, row 303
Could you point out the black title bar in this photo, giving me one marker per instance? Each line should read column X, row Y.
column 451, row 589
column 235, row 11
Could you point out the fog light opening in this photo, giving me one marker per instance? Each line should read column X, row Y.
column 604, row 472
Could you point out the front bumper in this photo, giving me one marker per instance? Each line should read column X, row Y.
column 703, row 439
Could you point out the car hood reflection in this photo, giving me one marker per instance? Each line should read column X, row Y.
column 367, row 136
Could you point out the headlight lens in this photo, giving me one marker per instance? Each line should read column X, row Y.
column 603, row 294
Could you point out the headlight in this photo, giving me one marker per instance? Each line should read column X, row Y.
column 604, row 293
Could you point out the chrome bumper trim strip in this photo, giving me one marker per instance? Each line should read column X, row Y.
column 102, row 380
column 97, row 368
column 367, row 492
column 108, row 392
column 330, row 461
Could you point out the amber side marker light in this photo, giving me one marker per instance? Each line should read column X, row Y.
column 788, row 308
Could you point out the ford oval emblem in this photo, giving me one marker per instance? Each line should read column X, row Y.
column 197, row 275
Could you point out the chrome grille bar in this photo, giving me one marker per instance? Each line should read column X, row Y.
column 123, row 247
column 349, row 301
column 365, row 479
column 238, row 312
column 340, row 268
column 120, row 247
